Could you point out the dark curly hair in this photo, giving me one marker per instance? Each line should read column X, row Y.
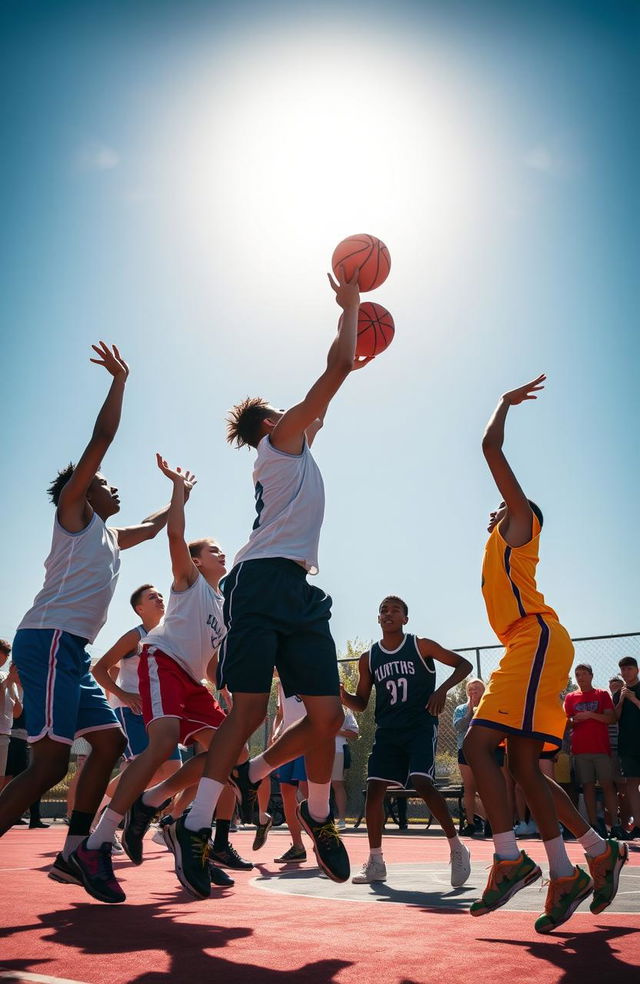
column 59, row 483
column 244, row 423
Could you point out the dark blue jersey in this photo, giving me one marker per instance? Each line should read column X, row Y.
column 404, row 681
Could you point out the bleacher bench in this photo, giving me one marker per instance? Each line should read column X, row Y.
column 450, row 792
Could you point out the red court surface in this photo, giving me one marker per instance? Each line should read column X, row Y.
column 413, row 930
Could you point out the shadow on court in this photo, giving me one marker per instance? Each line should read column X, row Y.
column 135, row 932
column 586, row 956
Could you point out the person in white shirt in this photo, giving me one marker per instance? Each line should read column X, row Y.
column 348, row 732
column 61, row 698
column 10, row 708
column 274, row 616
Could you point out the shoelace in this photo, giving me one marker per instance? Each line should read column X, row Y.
column 105, row 868
column 200, row 850
column 328, row 832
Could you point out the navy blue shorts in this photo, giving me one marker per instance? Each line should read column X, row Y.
column 136, row 734
column 399, row 753
column 61, row 697
column 292, row 772
column 275, row 618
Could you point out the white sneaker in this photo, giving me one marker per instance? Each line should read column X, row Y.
column 372, row 870
column 521, row 829
column 116, row 846
column 341, row 824
column 158, row 837
column 460, row 864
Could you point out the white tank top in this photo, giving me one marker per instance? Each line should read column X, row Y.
column 81, row 573
column 289, row 495
column 128, row 670
column 192, row 628
column 292, row 708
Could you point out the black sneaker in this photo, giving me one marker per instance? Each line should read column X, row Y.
column 486, row 829
column 190, row 849
column 262, row 831
column 228, row 857
column 61, row 871
column 136, row 823
column 330, row 852
column 96, row 872
column 295, row 855
column 246, row 792
column 619, row 834
column 219, row 877
column 468, row 830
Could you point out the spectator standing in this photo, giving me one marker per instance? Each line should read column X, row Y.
column 10, row 707
column 348, row 732
column 591, row 712
column 461, row 719
column 616, row 683
column 627, row 705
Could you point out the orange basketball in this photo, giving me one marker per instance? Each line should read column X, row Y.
column 366, row 252
column 375, row 330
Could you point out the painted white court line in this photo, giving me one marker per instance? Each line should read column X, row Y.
column 19, row 975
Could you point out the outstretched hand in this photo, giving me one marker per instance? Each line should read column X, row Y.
column 111, row 359
column 526, row 392
column 176, row 475
column 347, row 291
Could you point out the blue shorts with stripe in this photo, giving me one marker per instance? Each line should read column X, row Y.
column 61, row 697
column 399, row 753
column 136, row 734
column 292, row 772
column 275, row 618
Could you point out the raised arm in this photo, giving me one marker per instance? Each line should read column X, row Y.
column 74, row 512
column 461, row 669
column 359, row 700
column 517, row 524
column 105, row 669
column 289, row 432
column 185, row 572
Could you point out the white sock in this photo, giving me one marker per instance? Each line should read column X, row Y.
column 376, row 852
column 71, row 843
column 559, row 864
column 201, row 813
column 454, row 842
column 594, row 845
column 506, row 846
column 107, row 826
column 318, row 800
column 155, row 796
column 259, row 769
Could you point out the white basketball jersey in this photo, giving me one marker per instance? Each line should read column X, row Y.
column 289, row 505
column 128, row 670
column 81, row 573
column 192, row 628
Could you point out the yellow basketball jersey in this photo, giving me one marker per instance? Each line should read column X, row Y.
column 509, row 582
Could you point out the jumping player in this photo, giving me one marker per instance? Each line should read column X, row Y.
column 522, row 704
column 402, row 669
column 176, row 706
column 275, row 618
column 61, row 698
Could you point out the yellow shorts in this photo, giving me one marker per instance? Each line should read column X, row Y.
column 523, row 696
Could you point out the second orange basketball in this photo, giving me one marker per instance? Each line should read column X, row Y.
column 375, row 330
column 366, row 252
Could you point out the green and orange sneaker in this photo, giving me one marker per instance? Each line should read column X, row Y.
column 564, row 895
column 506, row 878
column 605, row 871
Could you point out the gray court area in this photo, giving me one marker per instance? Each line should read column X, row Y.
column 428, row 887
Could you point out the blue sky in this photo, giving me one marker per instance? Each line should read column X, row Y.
column 175, row 177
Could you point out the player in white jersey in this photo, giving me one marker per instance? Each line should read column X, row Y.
column 275, row 618
column 61, row 698
column 177, row 654
column 117, row 674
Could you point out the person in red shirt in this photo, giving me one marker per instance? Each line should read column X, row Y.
column 591, row 712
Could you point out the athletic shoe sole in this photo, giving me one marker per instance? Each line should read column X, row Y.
column 321, row 863
column 545, row 930
column 528, row 880
column 623, row 857
column 63, row 877
column 173, row 844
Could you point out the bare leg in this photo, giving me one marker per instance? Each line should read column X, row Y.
column 340, row 793
column 106, row 748
column 289, row 802
column 436, row 803
column 472, row 803
column 71, row 791
column 479, row 750
column 48, row 766
column 374, row 811
column 524, row 762
column 246, row 715
column 313, row 736
column 163, row 735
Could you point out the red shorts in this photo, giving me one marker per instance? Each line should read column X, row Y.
column 168, row 691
